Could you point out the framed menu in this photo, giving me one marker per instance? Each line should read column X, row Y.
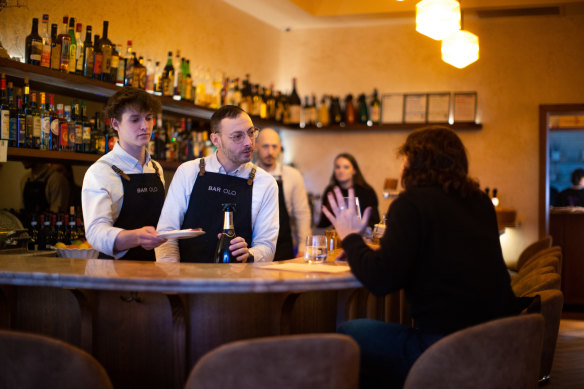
column 392, row 108
column 415, row 108
column 438, row 107
column 465, row 107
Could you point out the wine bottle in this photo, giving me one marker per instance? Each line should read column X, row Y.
column 63, row 129
column 106, row 48
column 375, row 108
column 120, row 77
column 363, row 111
column 150, row 71
column 97, row 58
column 88, row 54
column 13, row 118
column 55, row 48
column 45, row 119
column 27, row 107
column 222, row 253
column 33, row 45
column 86, row 125
column 294, row 106
column 36, row 123
column 336, row 116
column 33, row 231
column 168, row 77
column 114, row 64
column 78, row 125
column 54, row 142
column 349, row 110
column 46, row 39
column 61, row 230
column 72, row 46
column 4, row 110
column 65, row 43
column 129, row 61
column 80, row 54
column 20, row 123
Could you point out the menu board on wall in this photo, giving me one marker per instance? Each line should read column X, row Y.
column 415, row 108
column 465, row 107
column 438, row 107
column 392, row 108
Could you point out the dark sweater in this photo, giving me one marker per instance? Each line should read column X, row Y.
column 367, row 198
column 570, row 198
column 445, row 252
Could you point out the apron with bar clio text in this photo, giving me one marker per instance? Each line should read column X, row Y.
column 284, row 246
column 205, row 210
column 141, row 206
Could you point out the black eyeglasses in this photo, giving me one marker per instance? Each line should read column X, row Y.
column 238, row 137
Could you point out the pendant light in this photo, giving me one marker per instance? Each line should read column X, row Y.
column 437, row 18
column 461, row 48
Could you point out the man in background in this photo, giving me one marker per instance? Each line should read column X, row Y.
column 46, row 188
column 293, row 201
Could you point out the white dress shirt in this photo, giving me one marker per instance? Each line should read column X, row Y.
column 264, row 208
column 296, row 201
column 102, row 197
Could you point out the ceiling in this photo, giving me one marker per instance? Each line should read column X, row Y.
column 298, row 14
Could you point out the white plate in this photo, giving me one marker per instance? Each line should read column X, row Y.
column 180, row 234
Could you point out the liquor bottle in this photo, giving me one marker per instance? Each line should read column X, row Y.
column 306, row 112
column 270, row 103
column 180, row 74
column 33, row 231
column 72, row 230
column 236, row 95
column 88, row 54
column 4, row 110
column 86, row 125
column 45, row 119
column 177, row 71
column 336, row 116
column 120, row 76
column 27, row 107
column 46, row 39
column 150, row 72
column 55, row 125
column 313, row 111
column 323, row 113
column 375, row 111
column 97, row 58
column 80, row 53
column 129, row 71
column 115, row 62
column 71, row 127
column 168, row 77
column 20, row 123
column 140, row 73
column 55, row 48
column 246, row 99
column 157, row 77
column 72, row 46
column 188, row 82
column 349, row 110
column 222, row 253
column 263, row 104
column 363, row 111
column 76, row 118
column 63, row 129
column 33, row 45
column 294, row 106
column 13, row 119
column 65, row 43
column 36, row 123
column 106, row 48
column 257, row 100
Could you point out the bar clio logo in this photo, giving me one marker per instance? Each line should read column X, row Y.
column 146, row 189
column 226, row 191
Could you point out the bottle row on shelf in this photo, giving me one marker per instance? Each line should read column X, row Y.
column 100, row 59
column 31, row 121
column 46, row 229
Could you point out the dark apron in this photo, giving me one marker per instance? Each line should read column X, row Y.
column 142, row 204
column 284, row 246
column 205, row 210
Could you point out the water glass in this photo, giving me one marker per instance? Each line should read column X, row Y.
column 316, row 249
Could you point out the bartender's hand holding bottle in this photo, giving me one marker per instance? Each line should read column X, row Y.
column 344, row 217
column 147, row 237
column 238, row 247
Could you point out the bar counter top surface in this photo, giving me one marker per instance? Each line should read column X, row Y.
column 141, row 276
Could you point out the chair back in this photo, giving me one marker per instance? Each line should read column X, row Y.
column 502, row 353
column 536, row 282
column 532, row 249
column 34, row 361
column 318, row 361
column 547, row 260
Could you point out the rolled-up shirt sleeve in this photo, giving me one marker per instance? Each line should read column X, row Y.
column 98, row 197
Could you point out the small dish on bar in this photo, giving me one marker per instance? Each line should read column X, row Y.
column 181, row 234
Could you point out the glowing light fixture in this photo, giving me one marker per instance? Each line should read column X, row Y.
column 437, row 18
column 460, row 49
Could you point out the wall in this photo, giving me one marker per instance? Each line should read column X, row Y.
column 524, row 62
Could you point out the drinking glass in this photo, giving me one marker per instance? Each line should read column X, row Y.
column 357, row 206
column 316, row 249
column 390, row 188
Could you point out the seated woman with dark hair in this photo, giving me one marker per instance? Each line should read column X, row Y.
column 441, row 246
column 346, row 174
column 573, row 196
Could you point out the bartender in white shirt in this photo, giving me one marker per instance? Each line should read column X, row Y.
column 292, row 197
column 123, row 191
column 199, row 189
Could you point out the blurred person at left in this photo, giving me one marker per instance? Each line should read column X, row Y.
column 46, row 187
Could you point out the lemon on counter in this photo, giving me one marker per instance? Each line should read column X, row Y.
column 60, row 245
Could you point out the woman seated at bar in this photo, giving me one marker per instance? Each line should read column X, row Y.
column 123, row 191
column 573, row 196
column 346, row 174
column 441, row 246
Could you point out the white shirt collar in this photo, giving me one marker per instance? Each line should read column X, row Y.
column 214, row 165
column 128, row 159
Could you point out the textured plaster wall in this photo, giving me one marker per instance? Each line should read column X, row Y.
column 524, row 62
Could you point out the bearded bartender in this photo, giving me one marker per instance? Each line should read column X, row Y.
column 200, row 187
column 123, row 191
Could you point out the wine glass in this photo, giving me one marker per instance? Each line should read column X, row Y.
column 390, row 188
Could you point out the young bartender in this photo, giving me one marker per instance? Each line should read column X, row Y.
column 123, row 191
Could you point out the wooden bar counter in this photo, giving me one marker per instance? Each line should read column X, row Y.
column 148, row 323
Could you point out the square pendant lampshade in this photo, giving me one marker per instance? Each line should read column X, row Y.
column 437, row 18
column 460, row 49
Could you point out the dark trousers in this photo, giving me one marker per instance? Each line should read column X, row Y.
column 388, row 350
